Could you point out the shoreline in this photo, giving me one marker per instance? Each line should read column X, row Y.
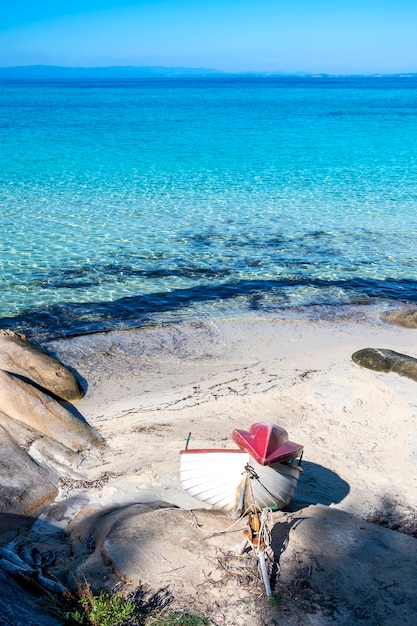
column 46, row 326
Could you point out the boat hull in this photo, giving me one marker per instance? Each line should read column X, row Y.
column 231, row 480
column 271, row 485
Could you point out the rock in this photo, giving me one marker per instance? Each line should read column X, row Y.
column 56, row 457
column 401, row 317
column 329, row 565
column 381, row 360
column 185, row 554
column 40, row 412
column 19, row 608
column 19, row 356
column 365, row 572
column 143, row 544
column 21, row 433
column 25, row 488
column 45, row 451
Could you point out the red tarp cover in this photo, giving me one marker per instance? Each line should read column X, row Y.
column 267, row 443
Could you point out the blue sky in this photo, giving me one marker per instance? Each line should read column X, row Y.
column 334, row 36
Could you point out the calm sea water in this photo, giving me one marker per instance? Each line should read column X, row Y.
column 126, row 203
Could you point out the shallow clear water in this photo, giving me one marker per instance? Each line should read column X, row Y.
column 133, row 202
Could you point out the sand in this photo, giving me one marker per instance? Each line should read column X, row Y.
column 148, row 388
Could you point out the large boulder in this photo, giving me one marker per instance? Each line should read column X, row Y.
column 44, row 414
column 45, row 451
column 382, row 360
column 363, row 572
column 26, row 488
column 188, row 555
column 21, row 433
column 19, row 356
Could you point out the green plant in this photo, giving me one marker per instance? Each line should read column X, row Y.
column 275, row 600
column 104, row 609
column 82, row 607
column 178, row 619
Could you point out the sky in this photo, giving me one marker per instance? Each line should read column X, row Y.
column 313, row 36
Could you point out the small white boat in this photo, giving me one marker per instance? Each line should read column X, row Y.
column 233, row 480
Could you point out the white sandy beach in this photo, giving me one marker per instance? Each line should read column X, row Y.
column 336, row 556
column 147, row 389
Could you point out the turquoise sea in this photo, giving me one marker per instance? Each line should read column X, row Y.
column 133, row 202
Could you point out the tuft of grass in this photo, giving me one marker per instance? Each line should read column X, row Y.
column 84, row 608
column 103, row 609
column 275, row 601
column 178, row 619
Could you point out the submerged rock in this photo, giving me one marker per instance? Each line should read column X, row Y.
column 401, row 317
column 19, row 356
column 44, row 414
column 381, row 360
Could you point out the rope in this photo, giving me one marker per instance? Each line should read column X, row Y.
column 220, row 532
column 265, row 537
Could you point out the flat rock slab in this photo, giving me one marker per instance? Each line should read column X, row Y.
column 186, row 553
column 368, row 571
column 329, row 565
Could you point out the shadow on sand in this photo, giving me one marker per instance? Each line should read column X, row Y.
column 318, row 485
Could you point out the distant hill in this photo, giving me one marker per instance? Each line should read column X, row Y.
column 53, row 72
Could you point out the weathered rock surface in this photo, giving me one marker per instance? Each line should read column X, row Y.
column 156, row 544
column 26, row 488
column 19, row 356
column 381, row 360
column 183, row 552
column 401, row 317
column 18, row 608
column 368, row 572
column 21, row 433
column 32, row 407
column 56, row 457
column 330, row 567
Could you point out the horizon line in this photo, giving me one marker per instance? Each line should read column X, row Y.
column 177, row 71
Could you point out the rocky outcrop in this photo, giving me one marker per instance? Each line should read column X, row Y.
column 185, row 553
column 322, row 562
column 381, row 360
column 26, row 404
column 40, row 439
column 19, row 356
column 26, row 487
column 364, row 573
